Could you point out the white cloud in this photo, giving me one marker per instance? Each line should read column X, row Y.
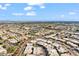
column 32, row 13
column 42, row 6
column 18, row 14
column 37, row 1
column 22, row 1
column 34, row 3
column 4, row 7
column 62, row 16
column 7, row 4
column 72, row 13
column 28, row 8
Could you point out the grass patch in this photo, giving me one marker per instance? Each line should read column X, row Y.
column 11, row 49
column 12, row 37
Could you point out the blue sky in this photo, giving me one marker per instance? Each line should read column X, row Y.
column 39, row 12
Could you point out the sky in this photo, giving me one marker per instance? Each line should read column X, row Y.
column 39, row 11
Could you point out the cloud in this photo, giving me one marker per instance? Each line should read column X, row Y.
column 72, row 13
column 18, row 14
column 32, row 13
column 22, row 1
column 4, row 7
column 62, row 16
column 7, row 4
column 34, row 4
column 39, row 1
column 28, row 8
column 42, row 6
